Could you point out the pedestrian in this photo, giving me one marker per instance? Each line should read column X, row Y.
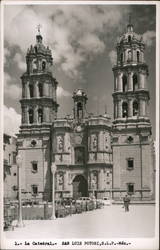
column 70, row 210
column 126, row 201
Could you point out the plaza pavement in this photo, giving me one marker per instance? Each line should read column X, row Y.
column 108, row 222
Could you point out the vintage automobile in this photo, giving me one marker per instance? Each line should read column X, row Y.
column 106, row 201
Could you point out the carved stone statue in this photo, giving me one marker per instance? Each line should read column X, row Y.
column 60, row 142
column 94, row 142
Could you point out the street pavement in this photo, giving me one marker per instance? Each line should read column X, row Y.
column 108, row 222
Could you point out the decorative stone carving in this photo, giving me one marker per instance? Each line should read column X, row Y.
column 60, row 181
column 94, row 142
column 94, row 180
column 60, row 143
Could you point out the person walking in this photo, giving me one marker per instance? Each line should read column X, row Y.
column 126, row 201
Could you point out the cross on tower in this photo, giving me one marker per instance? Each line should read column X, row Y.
column 39, row 26
column 129, row 18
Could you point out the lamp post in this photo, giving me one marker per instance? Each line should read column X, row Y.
column 53, row 169
column 19, row 165
column 93, row 187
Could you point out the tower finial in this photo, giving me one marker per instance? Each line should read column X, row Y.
column 39, row 26
column 130, row 25
column 129, row 18
column 38, row 36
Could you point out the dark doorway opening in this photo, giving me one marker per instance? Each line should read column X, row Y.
column 80, row 187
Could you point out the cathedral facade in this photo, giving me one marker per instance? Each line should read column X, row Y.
column 93, row 155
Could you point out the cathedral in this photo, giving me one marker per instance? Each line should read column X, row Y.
column 93, row 155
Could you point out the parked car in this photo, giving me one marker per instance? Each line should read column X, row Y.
column 106, row 201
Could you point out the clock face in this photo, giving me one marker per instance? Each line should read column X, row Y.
column 78, row 139
column 78, row 128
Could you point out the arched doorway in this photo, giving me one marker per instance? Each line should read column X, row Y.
column 80, row 187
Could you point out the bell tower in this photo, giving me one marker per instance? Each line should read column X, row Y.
column 132, row 167
column 39, row 110
column 38, row 103
column 80, row 100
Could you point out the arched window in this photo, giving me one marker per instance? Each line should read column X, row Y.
column 43, row 65
column 129, row 55
column 124, row 109
column 35, row 49
column 34, row 65
column 138, row 56
column 135, row 82
column 79, row 110
column 40, row 88
column 135, row 108
column 40, row 115
column 121, row 57
column 31, row 90
column 129, row 39
column 124, row 82
column 79, row 155
column 30, row 112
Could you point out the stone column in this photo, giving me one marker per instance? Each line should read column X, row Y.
column 120, row 85
column 134, row 55
column 65, row 180
column 125, row 56
column 50, row 90
column 26, row 115
column 130, row 108
column 119, row 109
column 27, row 94
column 100, row 179
column 115, row 109
column 36, row 92
column 147, row 108
column 23, row 115
column 119, row 82
column 35, row 113
column 142, row 107
column 130, row 81
column 53, row 169
column 46, row 114
column 142, row 56
column 142, row 80
column 45, row 89
column 23, row 90
column 115, row 83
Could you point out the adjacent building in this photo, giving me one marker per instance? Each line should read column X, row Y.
column 10, row 167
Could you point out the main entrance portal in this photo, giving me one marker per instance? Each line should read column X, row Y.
column 80, row 187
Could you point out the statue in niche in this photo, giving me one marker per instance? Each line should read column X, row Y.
column 60, row 142
column 94, row 180
column 94, row 142
column 60, row 179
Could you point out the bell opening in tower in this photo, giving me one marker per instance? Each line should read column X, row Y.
column 40, row 88
column 125, row 109
column 138, row 56
column 79, row 110
column 135, row 82
column 124, row 81
column 30, row 112
column 135, row 108
column 40, row 115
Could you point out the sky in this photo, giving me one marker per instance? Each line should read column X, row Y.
column 83, row 40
